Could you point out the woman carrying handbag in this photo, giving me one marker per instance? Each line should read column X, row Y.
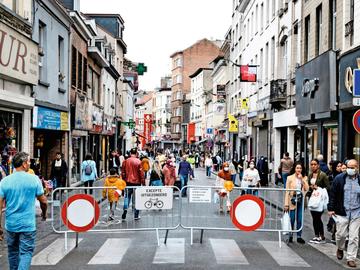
column 294, row 199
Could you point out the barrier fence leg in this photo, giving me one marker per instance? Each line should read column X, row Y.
column 279, row 239
column 201, row 236
column 66, row 241
column 166, row 236
column 77, row 240
column 157, row 237
column 191, row 236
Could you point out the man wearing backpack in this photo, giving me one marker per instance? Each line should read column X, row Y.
column 88, row 172
column 133, row 174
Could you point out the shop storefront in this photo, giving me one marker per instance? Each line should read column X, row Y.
column 316, row 107
column 348, row 138
column 16, row 80
column 50, row 133
column 80, row 125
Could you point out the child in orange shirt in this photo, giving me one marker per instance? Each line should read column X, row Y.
column 111, row 193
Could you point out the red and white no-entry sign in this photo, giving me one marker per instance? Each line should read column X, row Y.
column 80, row 212
column 247, row 212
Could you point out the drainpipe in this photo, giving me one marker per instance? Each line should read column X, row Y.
column 116, row 121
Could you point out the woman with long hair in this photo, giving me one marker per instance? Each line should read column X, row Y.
column 156, row 174
column 294, row 199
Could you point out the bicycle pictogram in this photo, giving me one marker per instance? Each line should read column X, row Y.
column 154, row 202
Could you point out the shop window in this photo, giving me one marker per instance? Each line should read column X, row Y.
column 10, row 133
column 332, row 134
column 311, row 144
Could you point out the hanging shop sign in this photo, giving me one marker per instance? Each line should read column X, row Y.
column 233, row 123
column 248, row 73
column 46, row 118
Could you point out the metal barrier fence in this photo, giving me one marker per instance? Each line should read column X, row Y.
column 199, row 215
column 163, row 208
column 156, row 214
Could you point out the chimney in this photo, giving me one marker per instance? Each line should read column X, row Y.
column 71, row 4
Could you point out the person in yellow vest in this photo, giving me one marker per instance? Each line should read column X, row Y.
column 109, row 193
column 191, row 160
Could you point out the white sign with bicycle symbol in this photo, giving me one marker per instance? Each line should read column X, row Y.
column 153, row 198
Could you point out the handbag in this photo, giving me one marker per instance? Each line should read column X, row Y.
column 296, row 198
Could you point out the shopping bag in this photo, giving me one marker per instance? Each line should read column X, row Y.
column 37, row 208
column 216, row 197
column 285, row 223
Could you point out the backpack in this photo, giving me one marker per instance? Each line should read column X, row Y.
column 88, row 169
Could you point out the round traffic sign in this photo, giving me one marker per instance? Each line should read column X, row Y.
column 80, row 212
column 247, row 212
column 356, row 121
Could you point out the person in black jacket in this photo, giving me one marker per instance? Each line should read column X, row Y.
column 114, row 161
column 344, row 207
column 59, row 170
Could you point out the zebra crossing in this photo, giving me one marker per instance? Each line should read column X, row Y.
column 225, row 251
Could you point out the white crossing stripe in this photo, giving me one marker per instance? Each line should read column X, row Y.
column 284, row 256
column 111, row 252
column 171, row 252
column 329, row 250
column 54, row 253
column 227, row 252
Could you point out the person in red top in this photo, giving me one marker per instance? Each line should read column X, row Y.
column 133, row 174
column 169, row 173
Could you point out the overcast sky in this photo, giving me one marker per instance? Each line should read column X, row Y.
column 154, row 29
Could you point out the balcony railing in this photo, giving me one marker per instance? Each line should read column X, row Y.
column 278, row 90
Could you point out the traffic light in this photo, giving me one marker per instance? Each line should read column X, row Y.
column 141, row 68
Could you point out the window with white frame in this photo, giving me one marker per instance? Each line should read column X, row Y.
column 42, row 51
column 273, row 8
column 262, row 16
column 268, row 11
column 179, row 78
column 272, row 57
column 266, row 65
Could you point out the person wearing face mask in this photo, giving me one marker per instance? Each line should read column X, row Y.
column 344, row 207
column 223, row 175
column 294, row 199
column 59, row 170
column 251, row 178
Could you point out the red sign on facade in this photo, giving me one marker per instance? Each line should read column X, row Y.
column 247, row 73
column 191, row 133
column 147, row 127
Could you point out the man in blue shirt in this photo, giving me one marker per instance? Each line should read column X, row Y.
column 184, row 171
column 19, row 190
column 344, row 206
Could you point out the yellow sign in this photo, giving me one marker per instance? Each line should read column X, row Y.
column 245, row 104
column 64, row 118
column 233, row 123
